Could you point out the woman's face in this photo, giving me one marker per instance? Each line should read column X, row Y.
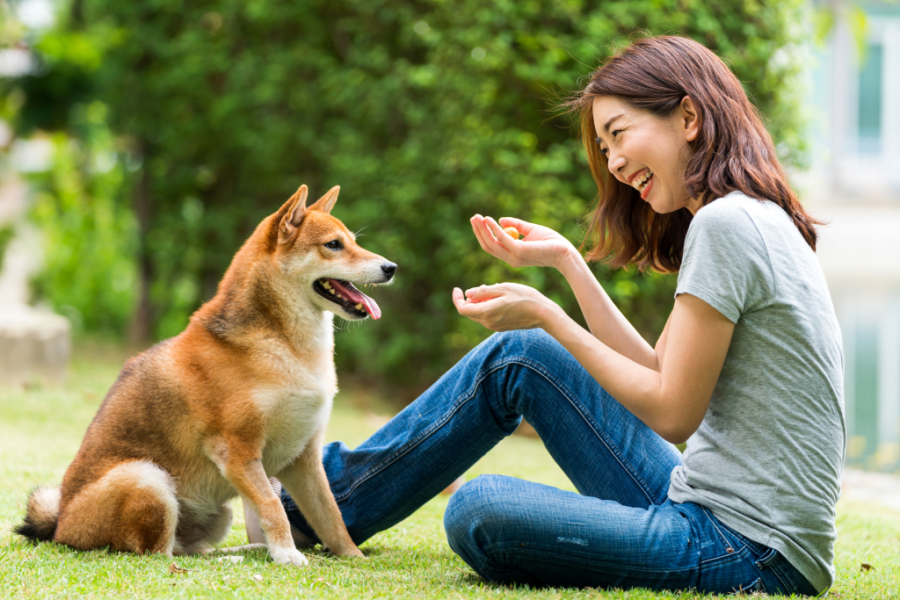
column 647, row 152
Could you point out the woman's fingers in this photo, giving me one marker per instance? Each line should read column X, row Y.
column 458, row 299
column 498, row 232
column 477, row 230
column 483, row 293
column 471, row 309
column 498, row 240
column 523, row 227
column 463, row 306
column 486, row 238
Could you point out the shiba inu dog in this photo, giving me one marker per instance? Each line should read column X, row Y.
column 242, row 394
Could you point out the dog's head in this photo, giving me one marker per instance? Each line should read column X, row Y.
column 316, row 251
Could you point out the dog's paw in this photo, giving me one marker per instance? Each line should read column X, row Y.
column 354, row 552
column 288, row 556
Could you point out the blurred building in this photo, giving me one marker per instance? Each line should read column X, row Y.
column 854, row 184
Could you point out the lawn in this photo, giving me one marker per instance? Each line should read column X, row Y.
column 40, row 430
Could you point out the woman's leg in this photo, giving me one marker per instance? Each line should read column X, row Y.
column 603, row 448
column 514, row 531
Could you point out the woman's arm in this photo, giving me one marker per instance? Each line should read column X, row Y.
column 672, row 401
column 545, row 247
column 604, row 319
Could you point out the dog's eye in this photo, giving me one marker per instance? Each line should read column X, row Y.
column 335, row 245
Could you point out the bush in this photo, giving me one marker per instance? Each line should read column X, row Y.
column 89, row 272
column 424, row 112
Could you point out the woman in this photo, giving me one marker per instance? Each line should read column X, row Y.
column 748, row 369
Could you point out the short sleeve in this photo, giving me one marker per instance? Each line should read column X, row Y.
column 725, row 261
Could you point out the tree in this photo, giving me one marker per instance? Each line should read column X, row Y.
column 425, row 112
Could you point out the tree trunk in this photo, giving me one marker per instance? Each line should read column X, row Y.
column 141, row 329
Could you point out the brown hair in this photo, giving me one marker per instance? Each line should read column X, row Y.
column 732, row 152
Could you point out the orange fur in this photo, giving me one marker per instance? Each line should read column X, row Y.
column 242, row 394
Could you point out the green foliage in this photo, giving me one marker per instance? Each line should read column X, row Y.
column 7, row 232
column 89, row 273
column 424, row 112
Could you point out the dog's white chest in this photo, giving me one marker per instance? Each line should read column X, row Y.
column 292, row 418
column 298, row 406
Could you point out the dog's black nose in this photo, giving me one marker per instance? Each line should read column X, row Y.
column 389, row 269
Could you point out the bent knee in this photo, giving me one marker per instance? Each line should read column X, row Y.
column 478, row 507
column 522, row 342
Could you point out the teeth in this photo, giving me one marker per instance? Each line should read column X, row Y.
column 639, row 183
column 326, row 285
column 339, row 296
column 358, row 306
column 332, row 291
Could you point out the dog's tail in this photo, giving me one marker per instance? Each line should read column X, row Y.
column 41, row 515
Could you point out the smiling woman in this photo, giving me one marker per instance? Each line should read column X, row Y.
column 727, row 148
column 747, row 372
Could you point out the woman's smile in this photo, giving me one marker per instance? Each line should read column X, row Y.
column 645, row 192
column 642, row 180
column 632, row 139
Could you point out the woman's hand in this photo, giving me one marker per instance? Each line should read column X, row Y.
column 541, row 246
column 506, row 306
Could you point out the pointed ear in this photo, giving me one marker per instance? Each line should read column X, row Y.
column 293, row 216
column 326, row 202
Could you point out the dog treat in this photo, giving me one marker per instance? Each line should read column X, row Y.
column 511, row 232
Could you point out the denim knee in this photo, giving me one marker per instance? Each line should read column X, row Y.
column 476, row 509
column 463, row 515
column 520, row 343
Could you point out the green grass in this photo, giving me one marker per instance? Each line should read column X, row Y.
column 40, row 430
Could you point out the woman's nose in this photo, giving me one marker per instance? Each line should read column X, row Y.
column 616, row 163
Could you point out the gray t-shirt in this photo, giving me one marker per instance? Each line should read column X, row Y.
column 768, row 455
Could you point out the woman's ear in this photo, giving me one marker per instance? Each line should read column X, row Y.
column 691, row 120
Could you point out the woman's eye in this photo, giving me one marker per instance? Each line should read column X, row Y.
column 334, row 245
column 616, row 132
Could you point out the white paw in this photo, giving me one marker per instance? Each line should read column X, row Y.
column 288, row 556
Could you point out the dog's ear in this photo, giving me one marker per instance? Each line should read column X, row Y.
column 326, row 202
column 294, row 215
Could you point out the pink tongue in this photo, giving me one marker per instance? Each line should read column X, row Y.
column 357, row 297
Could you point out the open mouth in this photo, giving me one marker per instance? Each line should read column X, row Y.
column 345, row 294
column 642, row 182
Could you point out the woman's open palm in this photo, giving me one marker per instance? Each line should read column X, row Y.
column 540, row 246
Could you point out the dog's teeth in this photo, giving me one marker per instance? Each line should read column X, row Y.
column 332, row 291
column 326, row 285
column 339, row 296
column 358, row 306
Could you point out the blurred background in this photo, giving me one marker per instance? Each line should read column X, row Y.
column 141, row 143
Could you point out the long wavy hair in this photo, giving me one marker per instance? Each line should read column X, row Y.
column 732, row 152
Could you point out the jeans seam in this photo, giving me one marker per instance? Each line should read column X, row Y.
column 504, row 546
column 736, row 556
column 767, row 558
column 747, row 541
column 642, row 485
column 427, row 433
column 786, row 582
column 715, row 525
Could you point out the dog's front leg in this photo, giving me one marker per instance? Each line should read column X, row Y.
column 242, row 466
column 306, row 482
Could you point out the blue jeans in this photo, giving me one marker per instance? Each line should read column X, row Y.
column 620, row 531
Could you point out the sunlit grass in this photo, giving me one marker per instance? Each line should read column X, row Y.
column 40, row 430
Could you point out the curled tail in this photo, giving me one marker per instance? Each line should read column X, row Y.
column 41, row 515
